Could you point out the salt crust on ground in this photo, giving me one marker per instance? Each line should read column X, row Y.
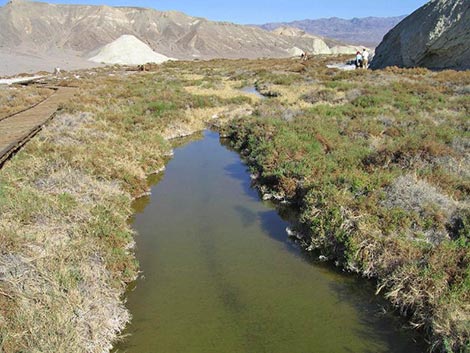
column 10, row 81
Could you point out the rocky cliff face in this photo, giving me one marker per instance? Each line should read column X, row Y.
column 435, row 36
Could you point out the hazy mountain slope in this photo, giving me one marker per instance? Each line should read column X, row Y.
column 437, row 35
column 41, row 27
column 366, row 31
column 320, row 44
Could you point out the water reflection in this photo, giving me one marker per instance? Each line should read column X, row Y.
column 221, row 275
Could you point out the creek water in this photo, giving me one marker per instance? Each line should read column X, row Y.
column 221, row 276
column 252, row 90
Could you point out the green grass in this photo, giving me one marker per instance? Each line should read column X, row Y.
column 338, row 162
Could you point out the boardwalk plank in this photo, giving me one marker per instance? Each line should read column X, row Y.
column 17, row 129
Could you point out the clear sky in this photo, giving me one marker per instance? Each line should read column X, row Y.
column 263, row 11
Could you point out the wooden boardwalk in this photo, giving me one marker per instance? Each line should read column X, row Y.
column 17, row 129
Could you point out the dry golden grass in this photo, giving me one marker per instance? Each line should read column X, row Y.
column 14, row 99
column 195, row 119
column 56, row 275
column 225, row 90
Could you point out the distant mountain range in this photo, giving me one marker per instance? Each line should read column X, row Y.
column 368, row 31
column 35, row 35
column 42, row 27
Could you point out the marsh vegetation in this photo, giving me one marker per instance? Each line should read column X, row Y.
column 376, row 161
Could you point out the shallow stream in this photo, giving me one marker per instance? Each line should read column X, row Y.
column 221, row 276
column 252, row 90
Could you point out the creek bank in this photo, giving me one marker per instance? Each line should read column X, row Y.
column 220, row 270
column 329, row 229
column 297, row 231
column 30, row 267
column 67, row 250
column 266, row 90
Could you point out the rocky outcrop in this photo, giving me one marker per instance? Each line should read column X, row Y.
column 435, row 36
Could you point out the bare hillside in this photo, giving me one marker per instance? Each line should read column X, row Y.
column 82, row 30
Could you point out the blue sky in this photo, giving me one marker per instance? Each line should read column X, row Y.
column 262, row 11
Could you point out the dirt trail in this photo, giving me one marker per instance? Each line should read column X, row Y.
column 16, row 130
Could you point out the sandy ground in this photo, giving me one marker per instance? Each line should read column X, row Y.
column 15, row 62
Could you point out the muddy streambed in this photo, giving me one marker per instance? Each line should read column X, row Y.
column 221, row 276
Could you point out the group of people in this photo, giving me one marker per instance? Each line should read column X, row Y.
column 362, row 60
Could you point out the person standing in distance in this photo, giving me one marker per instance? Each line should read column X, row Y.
column 358, row 60
column 365, row 59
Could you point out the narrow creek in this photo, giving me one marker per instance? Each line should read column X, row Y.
column 252, row 90
column 221, row 276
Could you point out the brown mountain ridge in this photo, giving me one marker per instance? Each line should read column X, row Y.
column 38, row 30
